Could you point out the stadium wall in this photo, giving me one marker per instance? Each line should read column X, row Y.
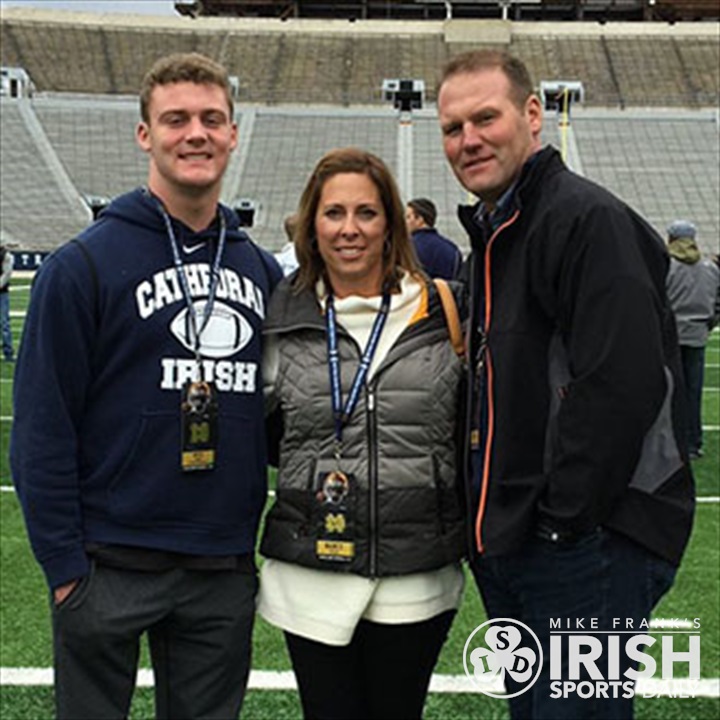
column 337, row 62
column 650, row 115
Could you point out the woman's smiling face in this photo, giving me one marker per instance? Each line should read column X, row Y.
column 351, row 226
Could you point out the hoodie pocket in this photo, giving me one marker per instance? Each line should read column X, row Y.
column 152, row 489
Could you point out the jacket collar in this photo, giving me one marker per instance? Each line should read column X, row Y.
column 535, row 170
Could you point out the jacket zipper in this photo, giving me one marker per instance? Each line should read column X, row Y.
column 484, row 365
column 372, row 478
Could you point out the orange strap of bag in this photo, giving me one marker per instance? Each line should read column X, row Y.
column 451, row 316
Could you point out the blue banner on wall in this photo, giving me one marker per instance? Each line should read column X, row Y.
column 28, row 259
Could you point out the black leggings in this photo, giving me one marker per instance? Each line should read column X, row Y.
column 383, row 674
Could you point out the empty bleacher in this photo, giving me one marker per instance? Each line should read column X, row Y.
column 38, row 210
column 302, row 93
column 649, row 72
column 95, row 142
column 663, row 165
column 130, row 53
column 701, row 60
column 286, row 144
column 280, row 63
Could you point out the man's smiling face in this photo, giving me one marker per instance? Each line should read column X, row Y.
column 487, row 136
column 189, row 136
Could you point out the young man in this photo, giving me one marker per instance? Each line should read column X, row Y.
column 439, row 257
column 138, row 443
column 581, row 494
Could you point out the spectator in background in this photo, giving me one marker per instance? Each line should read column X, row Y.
column 286, row 257
column 7, row 262
column 438, row 256
column 580, row 495
column 138, row 447
column 692, row 287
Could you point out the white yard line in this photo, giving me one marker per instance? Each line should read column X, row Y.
column 711, row 499
column 274, row 680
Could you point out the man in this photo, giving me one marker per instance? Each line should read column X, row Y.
column 7, row 262
column 694, row 293
column 439, row 257
column 141, row 503
column 581, row 496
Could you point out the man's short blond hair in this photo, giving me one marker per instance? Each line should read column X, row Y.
column 184, row 67
column 514, row 69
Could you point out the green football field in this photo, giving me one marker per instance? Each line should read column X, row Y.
column 25, row 635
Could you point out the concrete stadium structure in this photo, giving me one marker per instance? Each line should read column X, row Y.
column 648, row 129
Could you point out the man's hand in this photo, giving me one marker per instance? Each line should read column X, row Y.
column 61, row 593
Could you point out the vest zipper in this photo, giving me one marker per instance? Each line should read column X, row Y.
column 372, row 479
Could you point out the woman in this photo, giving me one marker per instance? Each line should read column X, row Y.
column 364, row 540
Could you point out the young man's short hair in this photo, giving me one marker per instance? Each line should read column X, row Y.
column 183, row 67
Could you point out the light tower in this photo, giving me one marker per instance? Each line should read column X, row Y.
column 560, row 95
column 406, row 96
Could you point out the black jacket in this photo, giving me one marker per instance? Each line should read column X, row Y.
column 574, row 398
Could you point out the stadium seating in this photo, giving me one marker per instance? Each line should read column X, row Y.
column 39, row 211
column 279, row 63
column 302, row 91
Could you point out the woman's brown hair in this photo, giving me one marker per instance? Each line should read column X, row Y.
column 399, row 253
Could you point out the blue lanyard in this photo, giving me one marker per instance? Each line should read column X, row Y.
column 340, row 414
column 180, row 269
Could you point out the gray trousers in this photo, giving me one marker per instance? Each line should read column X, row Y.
column 199, row 626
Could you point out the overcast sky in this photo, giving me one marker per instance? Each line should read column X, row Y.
column 146, row 7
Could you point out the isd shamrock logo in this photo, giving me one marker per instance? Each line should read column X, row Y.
column 499, row 650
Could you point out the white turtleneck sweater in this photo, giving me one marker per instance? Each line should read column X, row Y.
column 326, row 606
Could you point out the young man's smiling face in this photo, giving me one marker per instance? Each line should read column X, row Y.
column 189, row 136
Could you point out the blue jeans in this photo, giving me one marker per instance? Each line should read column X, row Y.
column 693, row 361
column 603, row 575
column 7, row 344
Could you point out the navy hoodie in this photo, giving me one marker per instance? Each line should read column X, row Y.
column 95, row 448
